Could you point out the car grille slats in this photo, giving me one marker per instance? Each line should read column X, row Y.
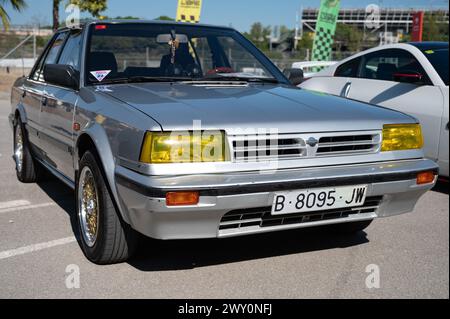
column 336, row 145
column 254, row 148
column 240, row 220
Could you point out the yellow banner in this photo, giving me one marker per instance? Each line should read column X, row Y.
column 189, row 11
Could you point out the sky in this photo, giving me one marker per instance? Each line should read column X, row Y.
column 240, row 14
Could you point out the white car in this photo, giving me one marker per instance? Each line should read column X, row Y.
column 309, row 67
column 408, row 77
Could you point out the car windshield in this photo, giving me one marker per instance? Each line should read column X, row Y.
column 439, row 60
column 156, row 52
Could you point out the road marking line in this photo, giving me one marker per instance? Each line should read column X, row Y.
column 14, row 203
column 36, row 247
column 25, row 207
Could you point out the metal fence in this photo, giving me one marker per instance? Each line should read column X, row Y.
column 284, row 63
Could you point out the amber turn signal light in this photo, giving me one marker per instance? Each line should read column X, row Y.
column 182, row 198
column 425, row 178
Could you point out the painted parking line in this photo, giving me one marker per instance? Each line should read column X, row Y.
column 14, row 203
column 36, row 247
column 21, row 205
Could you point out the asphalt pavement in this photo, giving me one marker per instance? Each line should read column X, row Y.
column 40, row 257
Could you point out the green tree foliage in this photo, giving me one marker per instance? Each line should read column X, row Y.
column 347, row 37
column 125, row 18
column 17, row 5
column 165, row 18
column 433, row 30
column 259, row 35
column 94, row 7
column 306, row 42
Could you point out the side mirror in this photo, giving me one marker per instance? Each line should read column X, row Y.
column 407, row 77
column 62, row 75
column 295, row 76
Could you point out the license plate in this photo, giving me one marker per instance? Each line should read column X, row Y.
column 318, row 199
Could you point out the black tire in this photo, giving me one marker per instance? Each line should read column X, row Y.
column 28, row 172
column 351, row 228
column 116, row 241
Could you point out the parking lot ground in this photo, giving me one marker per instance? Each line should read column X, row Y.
column 37, row 244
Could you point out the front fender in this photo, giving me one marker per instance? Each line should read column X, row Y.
column 98, row 135
column 22, row 114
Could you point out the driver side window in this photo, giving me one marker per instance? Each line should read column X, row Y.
column 390, row 65
column 72, row 51
column 349, row 69
column 49, row 57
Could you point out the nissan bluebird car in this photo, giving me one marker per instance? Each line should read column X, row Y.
column 179, row 131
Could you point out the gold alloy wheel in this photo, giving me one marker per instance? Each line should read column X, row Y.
column 88, row 206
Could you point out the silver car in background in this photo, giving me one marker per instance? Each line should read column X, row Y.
column 163, row 129
column 407, row 77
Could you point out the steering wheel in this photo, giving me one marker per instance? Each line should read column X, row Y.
column 222, row 69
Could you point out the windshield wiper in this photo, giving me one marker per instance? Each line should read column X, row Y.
column 157, row 79
column 237, row 78
column 141, row 79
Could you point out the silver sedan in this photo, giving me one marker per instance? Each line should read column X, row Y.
column 180, row 131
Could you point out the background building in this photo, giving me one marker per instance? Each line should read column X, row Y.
column 392, row 25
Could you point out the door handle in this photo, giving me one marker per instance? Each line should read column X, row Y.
column 346, row 89
column 24, row 93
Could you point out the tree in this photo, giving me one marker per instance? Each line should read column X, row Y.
column 165, row 18
column 17, row 5
column 348, row 37
column 125, row 18
column 433, row 27
column 94, row 7
column 306, row 42
column 259, row 35
column 55, row 14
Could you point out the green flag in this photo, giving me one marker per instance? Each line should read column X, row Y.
column 325, row 29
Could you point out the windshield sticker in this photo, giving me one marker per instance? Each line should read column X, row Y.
column 100, row 75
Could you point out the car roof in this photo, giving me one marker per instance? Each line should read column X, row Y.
column 154, row 22
column 423, row 46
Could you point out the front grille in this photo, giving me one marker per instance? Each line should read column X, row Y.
column 253, row 148
column 348, row 144
column 268, row 148
column 261, row 217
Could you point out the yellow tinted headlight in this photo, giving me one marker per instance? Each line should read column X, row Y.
column 398, row 137
column 183, row 147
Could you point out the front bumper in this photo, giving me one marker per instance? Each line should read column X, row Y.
column 143, row 197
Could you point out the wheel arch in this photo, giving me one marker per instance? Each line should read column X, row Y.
column 19, row 112
column 95, row 138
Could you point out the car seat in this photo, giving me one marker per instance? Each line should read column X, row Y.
column 183, row 61
column 99, row 61
column 385, row 71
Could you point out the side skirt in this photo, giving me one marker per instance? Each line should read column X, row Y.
column 63, row 178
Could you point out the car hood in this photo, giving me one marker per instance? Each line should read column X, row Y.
column 254, row 106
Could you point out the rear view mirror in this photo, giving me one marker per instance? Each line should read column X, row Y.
column 166, row 38
column 295, row 76
column 408, row 77
column 62, row 75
